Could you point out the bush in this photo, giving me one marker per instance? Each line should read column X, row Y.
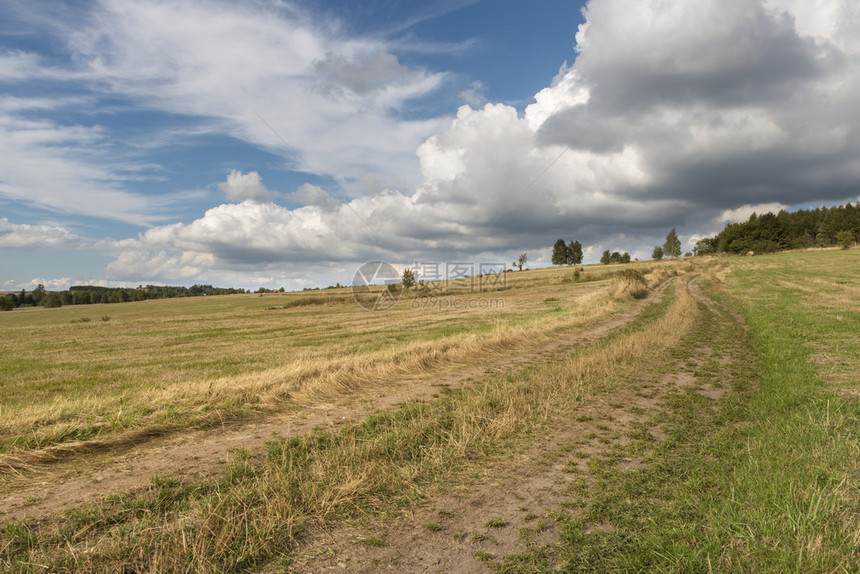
column 630, row 283
column 630, row 275
column 637, row 290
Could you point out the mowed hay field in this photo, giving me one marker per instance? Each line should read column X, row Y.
column 97, row 371
column 716, row 430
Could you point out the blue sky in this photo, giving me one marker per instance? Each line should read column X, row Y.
column 284, row 143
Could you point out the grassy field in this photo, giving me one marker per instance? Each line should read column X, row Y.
column 768, row 480
column 752, row 464
column 98, row 371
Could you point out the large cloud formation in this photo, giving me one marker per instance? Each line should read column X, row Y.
column 263, row 73
column 674, row 114
column 267, row 74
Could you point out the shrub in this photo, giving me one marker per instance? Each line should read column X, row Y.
column 630, row 283
column 631, row 275
column 637, row 289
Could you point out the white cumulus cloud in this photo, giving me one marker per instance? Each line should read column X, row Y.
column 24, row 236
column 308, row 194
column 241, row 186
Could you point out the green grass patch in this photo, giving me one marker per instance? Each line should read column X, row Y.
column 767, row 482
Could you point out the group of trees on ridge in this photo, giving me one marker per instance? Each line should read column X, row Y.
column 614, row 257
column 566, row 253
column 571, row 253
column 90, row 294
column 766, row 233
column 670, row 248
column 805, row 228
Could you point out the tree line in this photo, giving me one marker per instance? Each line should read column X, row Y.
column 91, row 294
column 820, row 227
column 766, row 233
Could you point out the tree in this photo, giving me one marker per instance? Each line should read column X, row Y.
column 806, row 240
column 845, row 239
column 38, row 293
column 706, row 246
column 574, row 253
column 51, row 300
column 521, row 260
column 672, row 247
column 408, row 278
column 657, row 253
column 625, row 258
column 559, row 253
column 606, row 258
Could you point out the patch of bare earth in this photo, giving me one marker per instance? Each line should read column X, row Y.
column 38, row 489
column 506, row 506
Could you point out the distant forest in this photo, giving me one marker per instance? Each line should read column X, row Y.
column 89, row 294
column 822, row 227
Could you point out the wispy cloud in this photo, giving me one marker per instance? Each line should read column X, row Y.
column 69, row 169
column 334, row 98
column 474, row 94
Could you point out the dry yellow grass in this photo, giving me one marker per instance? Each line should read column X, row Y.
column 194, row 361
column 255, row 510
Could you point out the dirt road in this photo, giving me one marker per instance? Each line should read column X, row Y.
column 510, row 507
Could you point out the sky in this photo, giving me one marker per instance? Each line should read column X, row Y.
column 284, row 143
